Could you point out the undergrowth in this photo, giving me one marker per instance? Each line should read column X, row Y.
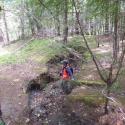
column 43, row 50
column 36, row 50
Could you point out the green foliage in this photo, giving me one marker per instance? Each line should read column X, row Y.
column 101, row 8
column 116, row 87
column 87, row 56
column 1, row 122
column 8, row 59
column 75, row 41
column 41, row 50
column 37, row 50
column 91, row 99
column 91, row 83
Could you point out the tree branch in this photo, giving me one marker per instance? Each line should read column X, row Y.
column 120, row 65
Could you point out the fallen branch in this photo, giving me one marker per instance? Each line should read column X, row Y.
column 75, row 53
column 116, row 103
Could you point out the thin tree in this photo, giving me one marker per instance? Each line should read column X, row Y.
column 65, row 32
column 116, row 45
column 6, row 26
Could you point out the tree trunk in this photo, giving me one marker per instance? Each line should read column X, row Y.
column 22, row 28
column 65, row 21
column 106, row 102
column 22, row 20
column 57, row 22
column 76, row 24
column 58, row 31
column 58, row 26
column 107, row 25
column 115, row 44
column 1, row 36
column 32, row 27
column 6, row 27
column 109, row 84
column 72, row 30
column 38, row 25
column 107, row 18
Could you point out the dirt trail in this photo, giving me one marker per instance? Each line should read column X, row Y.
column 13, row 81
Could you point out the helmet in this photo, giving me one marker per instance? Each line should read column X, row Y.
column 65, row 62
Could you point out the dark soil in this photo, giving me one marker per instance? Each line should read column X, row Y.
column 40, row 82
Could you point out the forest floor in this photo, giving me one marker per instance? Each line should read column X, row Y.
column 15, row 77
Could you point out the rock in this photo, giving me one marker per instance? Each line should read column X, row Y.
column 50, row 104
column 27, row 120
column 19, row 103
column 38, row 115
column 16, row 80
column 12, row 84
column 19, row 95
column 24, row 91
column 46, row 121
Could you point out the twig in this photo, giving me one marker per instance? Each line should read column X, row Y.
column 116, row 103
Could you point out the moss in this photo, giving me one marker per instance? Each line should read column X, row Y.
column 91, row 41
column 121, row 99
column 8, row 59
column 91, row 83
column 87, row 56
column 93, row 99
column 116, row 87
column 88, row 83
column 36, row 50
column 40, row 70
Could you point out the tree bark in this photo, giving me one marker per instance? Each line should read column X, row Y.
column 107, row 24
column 22, row 23
column 76, row 24
column 22, row 28
column 58, row 30
column 6, row 27
column 38, row 25
column 107, row 101
column 115, row 44
column 65, row 32
column 32, row 27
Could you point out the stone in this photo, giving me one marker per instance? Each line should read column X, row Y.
column 27, row 120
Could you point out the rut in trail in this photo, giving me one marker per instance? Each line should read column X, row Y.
column 45, row 103
column 35, row 89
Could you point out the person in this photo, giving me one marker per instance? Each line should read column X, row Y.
column 66, row 75
column 67, row 71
